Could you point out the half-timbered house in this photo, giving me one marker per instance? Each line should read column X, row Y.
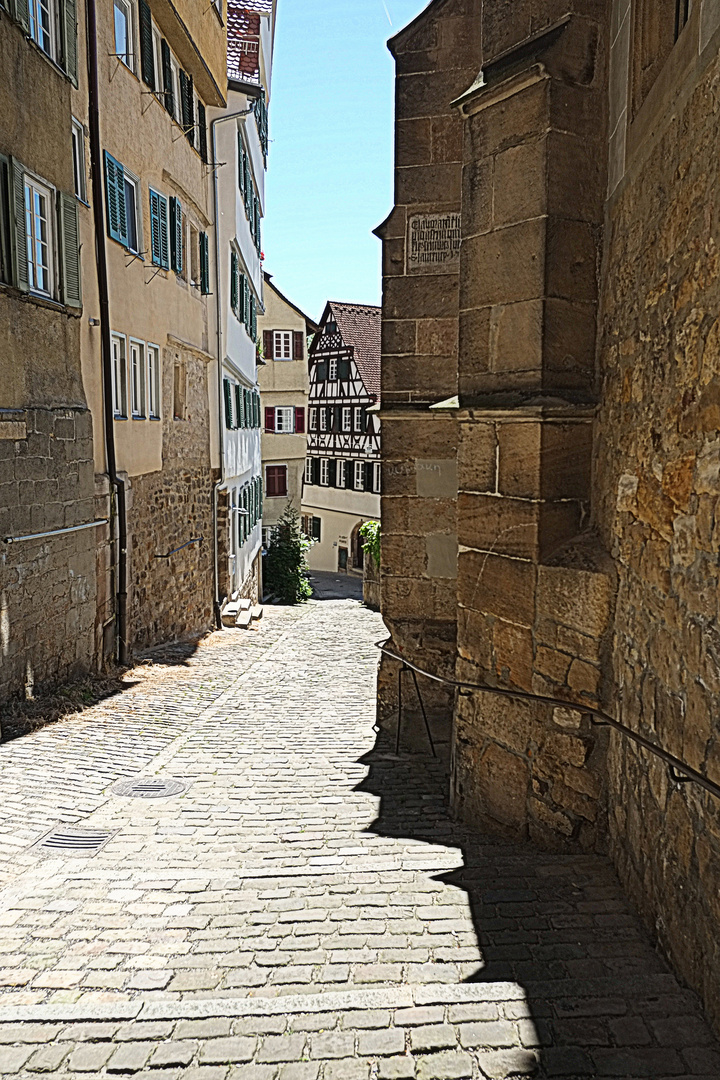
column 342, row 469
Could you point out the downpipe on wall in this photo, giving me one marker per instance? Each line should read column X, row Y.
column 118, row 546
column 220, row 484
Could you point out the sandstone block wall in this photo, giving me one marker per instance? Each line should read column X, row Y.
column 47, row 586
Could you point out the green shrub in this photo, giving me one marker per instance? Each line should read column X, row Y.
column 370, row 533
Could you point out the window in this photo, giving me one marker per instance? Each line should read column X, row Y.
column 316, row 527
column 323, row 419
column 38, row 230
column 131, row 186
column 308, row 470
column 285, row 420
column 324, row 472
column 153, row 362
column 176, row 235
column 282, row 345
column 194, row 256
column 358, row 418
column 359, row 477
column 42, row 25
column 275, row 480
column 332, row 368
column 377, row 477
column 313, row 419
column 331, row 327
column 682, row 14
column 119, row 370
column 340, row 480
column 347, row 418
column 159, row 231
column 137, row 378
column 157, row 62
column 78, row 152
column 204, row 264
column 123, row 33
column 179, row 390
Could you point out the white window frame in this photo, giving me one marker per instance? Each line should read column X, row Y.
column 357, row 418
column 332, row 369
column 134, row 182
column 138, row 393
column 324, row 472
column 323, row 419
column 358, row 476
column 128, row 57
column 119, row 373
column 377, row 477
column 285, row 419
column 347, row 418
column 177, row 106
column 78, row 149
column 157, row 62
column 282, row 345
column 35, row 188
column 154, row 380
column 308, row 470
column 340, row 477
column 45, row 39
column 312, row 419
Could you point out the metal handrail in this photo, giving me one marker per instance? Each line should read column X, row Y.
column 599, row 718
column 196, row 540
column 52, row 532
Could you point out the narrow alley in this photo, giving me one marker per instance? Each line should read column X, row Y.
column 303, row 908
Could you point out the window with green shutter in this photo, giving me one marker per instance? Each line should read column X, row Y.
column 68, row 27
column 147, row 52
column 241, row 166
column 176, row 235
column 187, row 106
column 204, row 265
column 234, row 279
column 227, row 389
column 167, row 77
column 115, row 200
column 159, row 233
column 239, row 411
column 69, row 251
column 202, row 132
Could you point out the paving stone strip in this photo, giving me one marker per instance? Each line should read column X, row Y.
column 306, row 909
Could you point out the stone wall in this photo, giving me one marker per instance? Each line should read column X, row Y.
column 657, row 486
column 173, row 598
column 47, row 586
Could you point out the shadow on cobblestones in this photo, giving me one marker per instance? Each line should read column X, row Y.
column 599, row 1001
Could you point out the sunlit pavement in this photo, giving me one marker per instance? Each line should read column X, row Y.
column 303, row 908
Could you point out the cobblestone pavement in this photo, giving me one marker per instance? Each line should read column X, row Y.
column 306, row 910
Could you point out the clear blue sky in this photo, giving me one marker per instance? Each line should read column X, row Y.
column 330, row 180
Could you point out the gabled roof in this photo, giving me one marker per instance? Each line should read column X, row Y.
column 359, row 325
column 312, row 326
column 243, row 38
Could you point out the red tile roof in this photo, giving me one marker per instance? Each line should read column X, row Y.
column 243, row 33
column 359, row 325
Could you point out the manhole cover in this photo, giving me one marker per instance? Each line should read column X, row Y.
column 148, row 788
column 77, row 843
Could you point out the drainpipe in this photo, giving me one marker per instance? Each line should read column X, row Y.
column 119, row 547
column 220, row 484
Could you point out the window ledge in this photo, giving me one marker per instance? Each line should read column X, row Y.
column 40, row 301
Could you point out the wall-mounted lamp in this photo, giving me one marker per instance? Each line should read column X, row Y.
column 94, row 322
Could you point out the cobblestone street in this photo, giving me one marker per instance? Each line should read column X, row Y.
column 306, row 909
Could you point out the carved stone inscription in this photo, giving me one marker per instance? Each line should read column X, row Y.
column 433, row 244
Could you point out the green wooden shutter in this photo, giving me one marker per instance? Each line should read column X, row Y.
column 147, row 53
column 187, row 105
column 164, row 234
column 176, row 235
column 238, row 406
column 155, row 248
column 257, row 408
column 70, row 251
column 228, row 403
column 68, row 19
column 204, row 265
column 234, row 282
column 202, row 132
column 21, row 11
column 253, row 318
column 167, row 77
column 6, row 274
column 241, row 166
column 115, row 200
column 18, row 233
column 246, row 318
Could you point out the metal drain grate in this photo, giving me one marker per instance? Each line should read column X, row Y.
column 148, row 788
column 77, row 843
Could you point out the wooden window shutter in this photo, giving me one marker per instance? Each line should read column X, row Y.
column 21, row 10
column 167, row 77
column 253, row 317
column 204, row 265
column 238, row 406
column 68, row 20
column 316, row 471
column 337, row 418
column 69, row 250
column 268, row 344
column 18, row 233
column 241, row 166
column 368, row 477
column 246, row 301
column 322, row 371
column 257, row 407
column 202, row 133
column 228, row 403
column 115, row 199
column 269, row 480
column 176, row 228
column 298, row 344
column 332, row 473
column 269, row 418
column 299, row 420
column 147, row 57
column 234, row 281
column 187, row 106
column 343, row 368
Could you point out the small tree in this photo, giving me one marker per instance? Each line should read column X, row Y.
column 286, row 572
